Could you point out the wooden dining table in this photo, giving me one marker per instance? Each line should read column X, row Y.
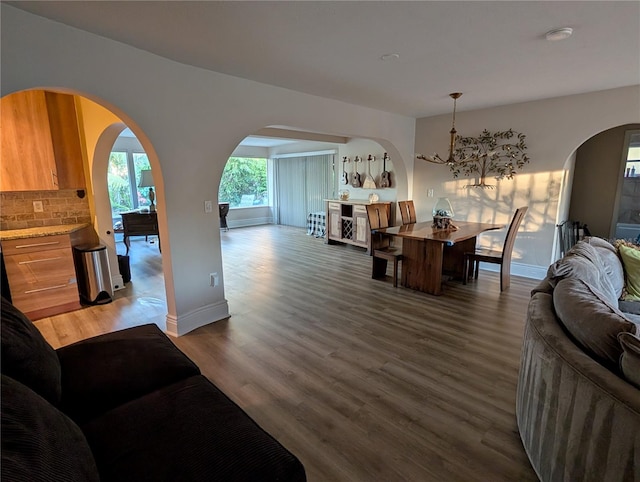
column 429, row 253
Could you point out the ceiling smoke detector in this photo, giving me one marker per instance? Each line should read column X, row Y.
column 558, row 34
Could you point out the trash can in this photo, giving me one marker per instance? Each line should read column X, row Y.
column 92, row 271
column 125, row 267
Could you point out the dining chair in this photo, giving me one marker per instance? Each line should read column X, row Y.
column 503, row 258
column 569, row 233
column 407, row 212
column 381, row 248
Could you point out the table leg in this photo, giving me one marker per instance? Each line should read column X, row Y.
column 433, row 271
column 127, row 243
column 422, row 265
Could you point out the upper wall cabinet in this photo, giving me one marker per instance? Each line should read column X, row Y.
column 40, row 142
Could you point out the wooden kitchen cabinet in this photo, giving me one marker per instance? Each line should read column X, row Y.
column 41, row 273
column 41, row 148
column 28, row 162
column 348, row 222
column 65, row 139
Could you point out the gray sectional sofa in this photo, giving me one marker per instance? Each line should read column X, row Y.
column 578, row 396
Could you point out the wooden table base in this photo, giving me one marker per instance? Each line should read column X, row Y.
column 425, row 261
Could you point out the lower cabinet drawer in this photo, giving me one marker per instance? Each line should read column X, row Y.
column 40, row 267
column 30, row 245
column 43, row 280
column 45, row 297
column 360, row 209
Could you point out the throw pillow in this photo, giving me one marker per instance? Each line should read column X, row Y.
column 611, row 262
column 630, row 358
column 38, row 441
column 583, row 262
column 591, row 320
column 26, row 355
column 631, row 261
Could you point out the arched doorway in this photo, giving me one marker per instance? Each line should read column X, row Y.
column 291, row 158
column 599, row 170
column 95, row 128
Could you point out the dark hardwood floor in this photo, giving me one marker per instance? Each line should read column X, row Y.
column 362, row 381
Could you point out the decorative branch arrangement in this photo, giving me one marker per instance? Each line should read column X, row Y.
column 489, row 153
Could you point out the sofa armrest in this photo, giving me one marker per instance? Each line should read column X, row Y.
column 103, row 372
column 574, row 416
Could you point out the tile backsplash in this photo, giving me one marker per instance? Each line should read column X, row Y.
column 58, row 207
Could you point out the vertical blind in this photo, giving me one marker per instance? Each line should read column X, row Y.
column 302, row 185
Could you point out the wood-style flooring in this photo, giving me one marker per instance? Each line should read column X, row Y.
column 362, row 381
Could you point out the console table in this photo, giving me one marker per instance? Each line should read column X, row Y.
column 347, row 222
column 135, row 223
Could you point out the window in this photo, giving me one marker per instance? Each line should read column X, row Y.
column 628, row 219
column 123, row 177
column 244, row 182
column 632, row 167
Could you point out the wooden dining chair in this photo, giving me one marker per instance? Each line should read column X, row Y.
column 407, row 212
column 381, row 248
column 503, row 258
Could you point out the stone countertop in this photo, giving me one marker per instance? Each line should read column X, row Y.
column 40, row 231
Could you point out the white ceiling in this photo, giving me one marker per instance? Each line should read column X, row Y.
column 493, row 52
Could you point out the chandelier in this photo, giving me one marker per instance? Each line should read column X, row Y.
column 489, row 153
column 452, row 141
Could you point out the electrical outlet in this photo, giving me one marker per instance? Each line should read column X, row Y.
column 430, row 193
column 208, row 207
column 213, row 279
column 37, row 207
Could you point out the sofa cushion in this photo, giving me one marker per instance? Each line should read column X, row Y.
column 39, row 442
column 199, row 433
column 629, row 307
column 630, row 358
column 591, row 319
column 26, row 355
column 105, row 371
column 613, row 265
column 631, row 261
column 583, row 262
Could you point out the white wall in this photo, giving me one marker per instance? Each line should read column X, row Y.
column 555, row 128
column 189, row 121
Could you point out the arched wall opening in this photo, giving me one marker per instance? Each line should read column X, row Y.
column 98, row 127
column 306, row 145
column 597, row 176
column 102, row 123
column 343, row 146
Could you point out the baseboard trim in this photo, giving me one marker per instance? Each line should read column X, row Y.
column 117, row 283
column 243, row 223
column 178, row 326
column 519, row 269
